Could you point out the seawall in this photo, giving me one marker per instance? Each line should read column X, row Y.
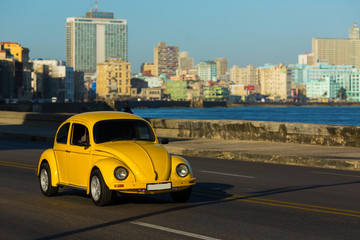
column 300, row 133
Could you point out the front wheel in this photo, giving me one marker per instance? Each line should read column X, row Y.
column 99, row 192
column 182, row 196
column 45, row 181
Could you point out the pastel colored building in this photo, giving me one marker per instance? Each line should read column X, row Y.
column 327, row 86
column 177, row 90
column 207, row 71
column 244, row 76
column 154, row 82
column 275, row 81
column 215, row 93
column 16, row 50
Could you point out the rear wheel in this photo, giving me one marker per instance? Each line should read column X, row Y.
column 45, row 181
column 99, row 192
column 182, row 196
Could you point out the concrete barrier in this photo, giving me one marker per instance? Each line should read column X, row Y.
column 302, row 133
column 32, row 119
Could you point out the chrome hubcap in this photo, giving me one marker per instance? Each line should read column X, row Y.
column 44, row 180
column 95, row 188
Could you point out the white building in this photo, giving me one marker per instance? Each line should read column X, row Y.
column 207, row 71
column 154, row 82
column 94, row 39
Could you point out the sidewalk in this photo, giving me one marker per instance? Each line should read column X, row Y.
column 256, row 151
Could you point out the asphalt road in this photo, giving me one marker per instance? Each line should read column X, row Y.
column 232, row 200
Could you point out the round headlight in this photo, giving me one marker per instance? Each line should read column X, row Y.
column 120, row 173
column 182, row 170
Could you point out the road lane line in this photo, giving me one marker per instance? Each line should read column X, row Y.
column 250, row 199
column 307, row 207
column 18, row 165
column 171, row 230
column 338, row 174
column 228, row 174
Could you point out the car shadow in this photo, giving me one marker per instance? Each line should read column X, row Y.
column 213, row 189
column 202, row 192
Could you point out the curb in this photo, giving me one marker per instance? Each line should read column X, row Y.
column 275, row 159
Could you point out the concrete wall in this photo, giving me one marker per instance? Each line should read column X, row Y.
column 32, row 119
column 318, row 134
column 301, row 133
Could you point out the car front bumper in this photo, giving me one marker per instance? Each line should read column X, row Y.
column 152, row 187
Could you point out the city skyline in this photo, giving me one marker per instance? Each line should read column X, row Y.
column 246, row 33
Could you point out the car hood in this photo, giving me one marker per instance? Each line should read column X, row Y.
column 147, row 161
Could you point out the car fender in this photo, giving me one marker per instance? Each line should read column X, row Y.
column 107, row 167
column 175, row 161
column 49, row 157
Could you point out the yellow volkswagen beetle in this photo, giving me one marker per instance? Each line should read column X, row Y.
column 109, row 152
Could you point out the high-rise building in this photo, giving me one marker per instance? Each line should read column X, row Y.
column 166, row 60
column 338, row 51
column 94, row 39
column 222, row 65
column 113, row 78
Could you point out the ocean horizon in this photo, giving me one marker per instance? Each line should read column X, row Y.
column 333, row 115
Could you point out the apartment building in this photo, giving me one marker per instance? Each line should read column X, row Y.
column 113, row 79
column 166, row 60
column 207, row 71
column 51, row 78
column 246, row 76
column 275, row 81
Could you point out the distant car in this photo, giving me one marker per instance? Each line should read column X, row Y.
column 108, row 152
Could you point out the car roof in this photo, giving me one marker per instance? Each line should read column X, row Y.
column 93, row 117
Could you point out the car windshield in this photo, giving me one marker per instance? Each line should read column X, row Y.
column 122, row 129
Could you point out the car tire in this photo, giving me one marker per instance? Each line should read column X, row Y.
column 45, row 181
column 99, row 191
column 181, row 196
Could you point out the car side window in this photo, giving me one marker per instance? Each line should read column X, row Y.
column 80, row 134
column 63, row 134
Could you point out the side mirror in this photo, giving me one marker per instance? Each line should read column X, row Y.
column 164, row 141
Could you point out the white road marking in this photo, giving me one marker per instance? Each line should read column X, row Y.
column 174, row 231
column 228, row 174
column 338, row 174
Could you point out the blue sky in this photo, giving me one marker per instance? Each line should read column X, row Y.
column 246, row 32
